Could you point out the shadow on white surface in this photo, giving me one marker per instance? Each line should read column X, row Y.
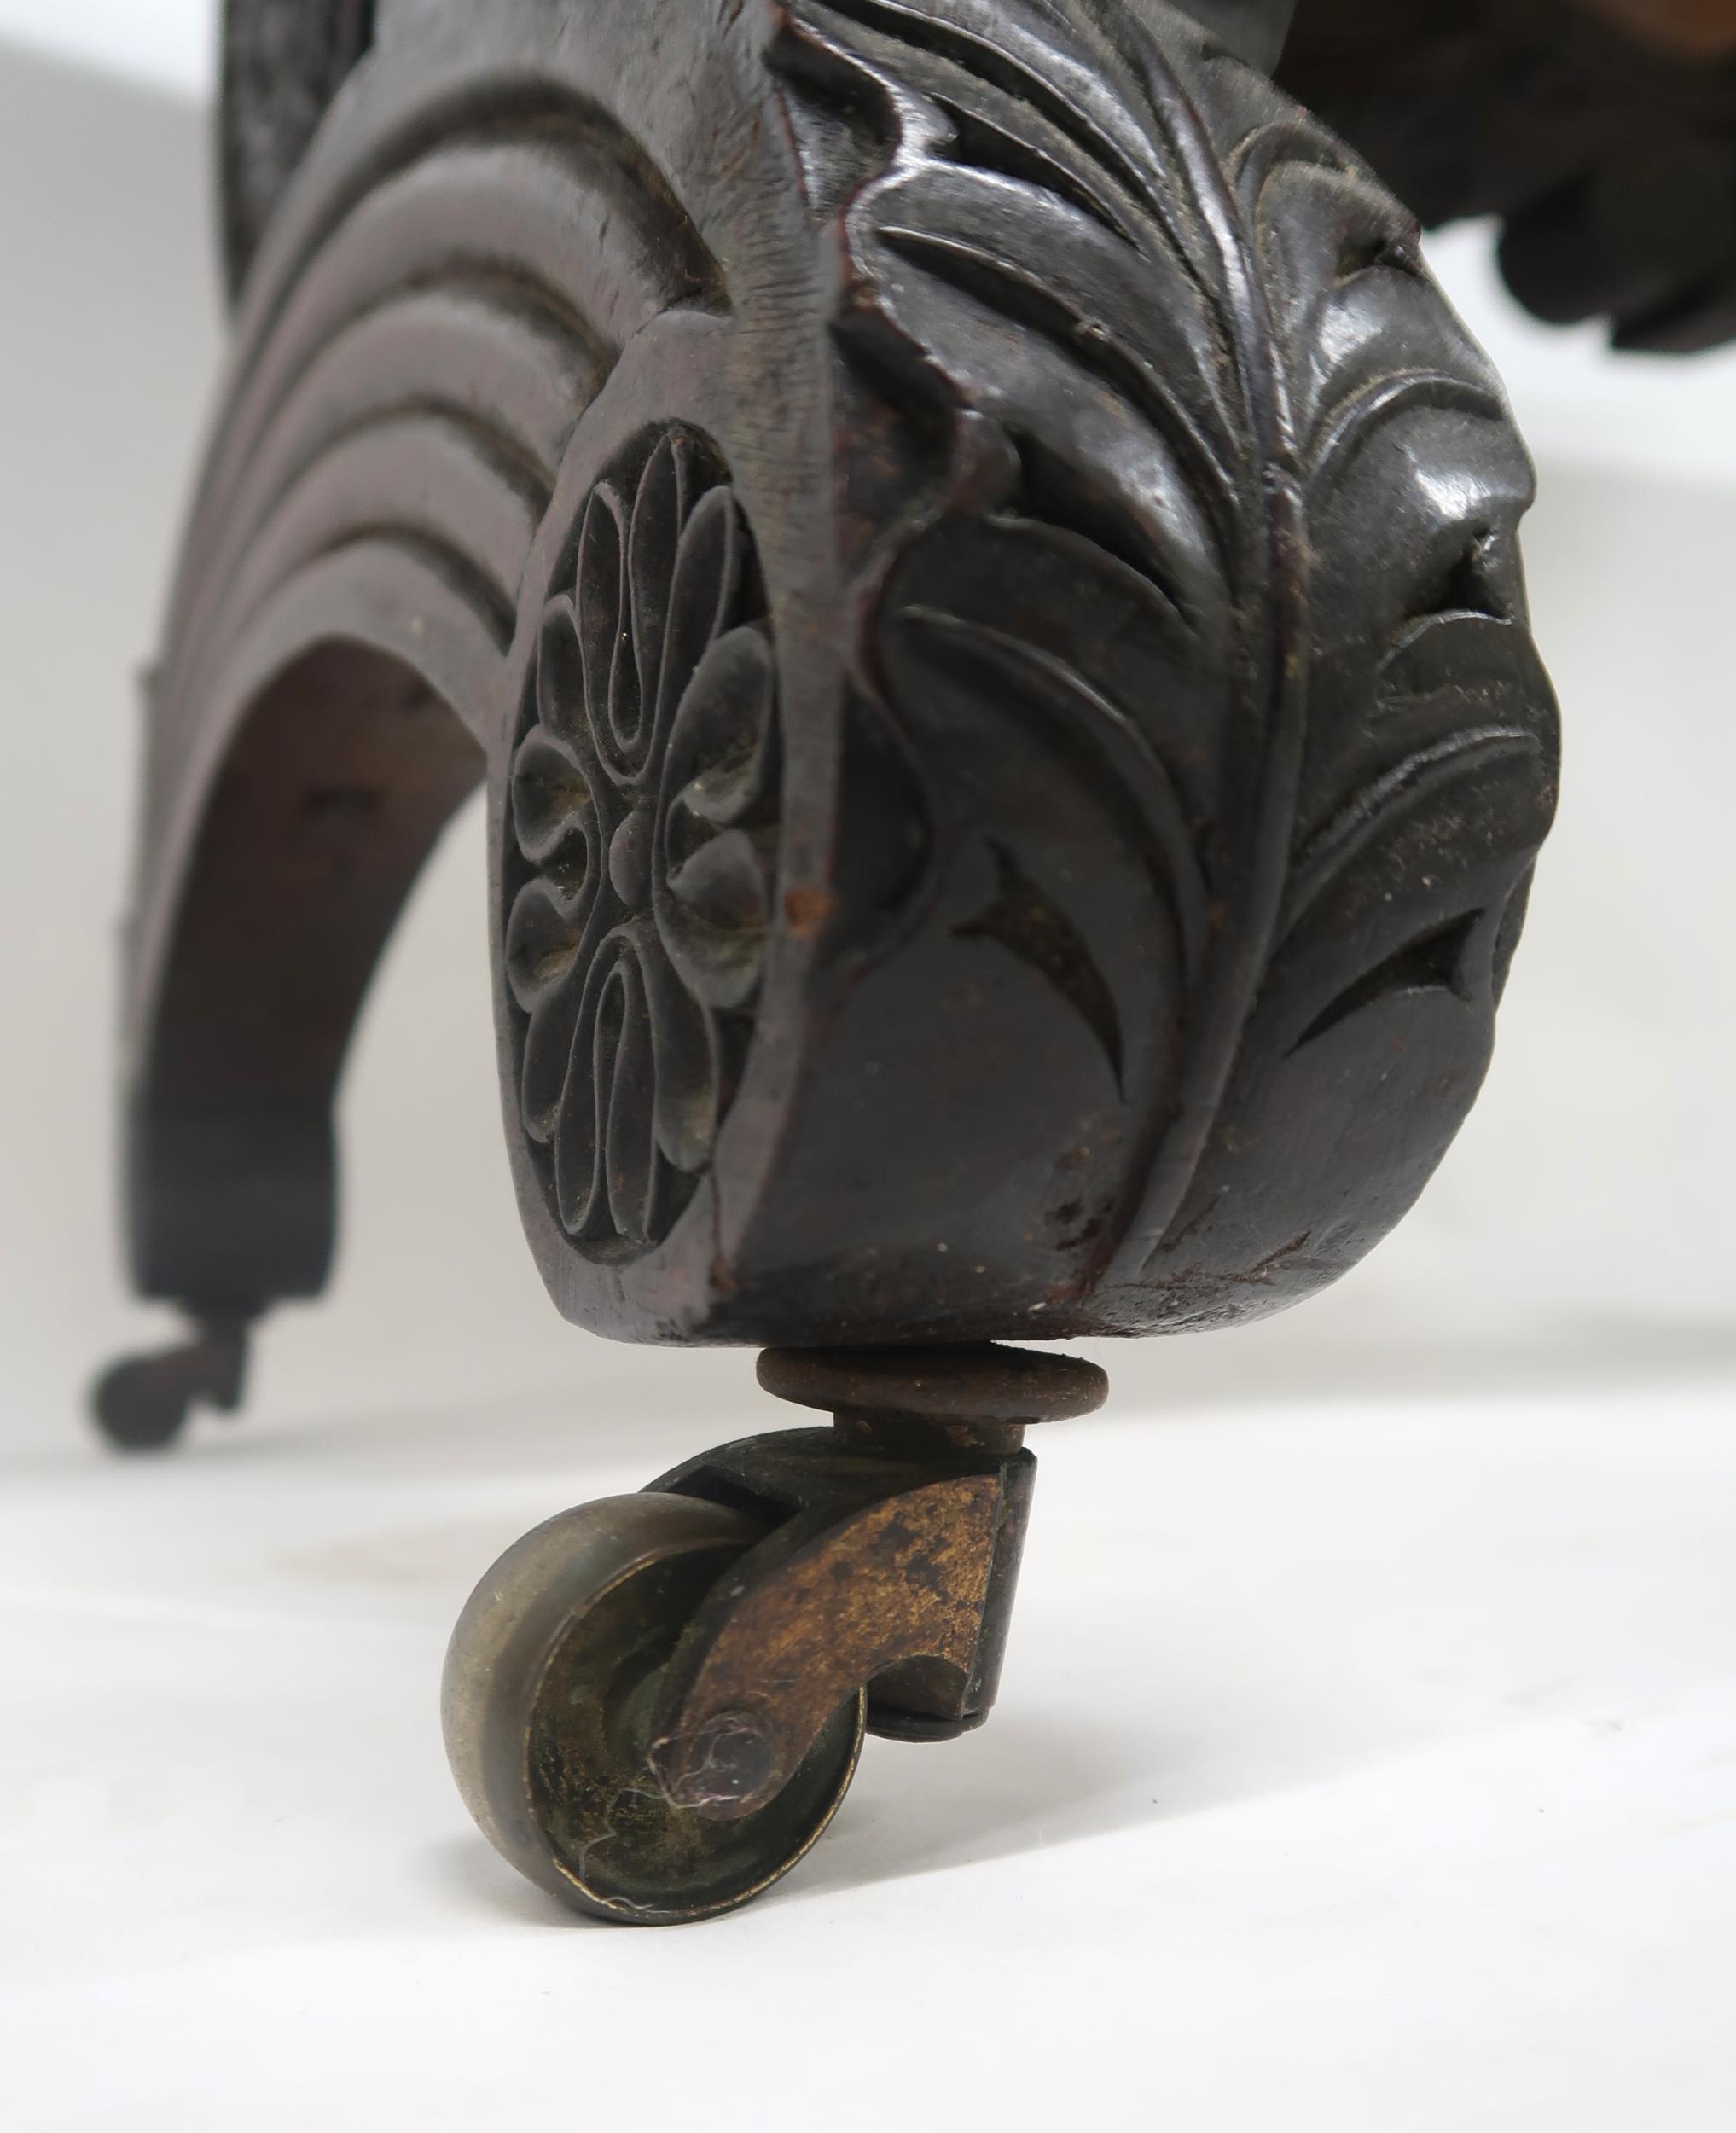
column 1025, row 1784
column 679, row 1404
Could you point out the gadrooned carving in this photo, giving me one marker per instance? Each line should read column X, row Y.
column 641, row 844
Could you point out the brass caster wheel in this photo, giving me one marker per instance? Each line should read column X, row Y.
column 653, row 1705
column 552, row 1688
column 142, row 1403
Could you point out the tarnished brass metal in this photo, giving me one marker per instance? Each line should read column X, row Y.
column 828, row 1604
column 894, row 1563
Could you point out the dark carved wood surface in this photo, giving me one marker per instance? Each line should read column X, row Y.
column 982, row 576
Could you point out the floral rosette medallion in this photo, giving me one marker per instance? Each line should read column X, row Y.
column 642, row 843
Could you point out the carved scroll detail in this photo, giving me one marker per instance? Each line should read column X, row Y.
column 644, row 816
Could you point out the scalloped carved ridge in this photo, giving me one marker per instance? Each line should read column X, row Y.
column 413, row 362
column 469, row 245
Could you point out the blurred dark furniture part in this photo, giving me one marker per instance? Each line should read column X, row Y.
column 283, row 61
column 979, row 577
column 1601, row 132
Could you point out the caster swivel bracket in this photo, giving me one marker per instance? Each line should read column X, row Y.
column 892, row 1561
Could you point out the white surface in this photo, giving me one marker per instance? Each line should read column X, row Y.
column 1655, row 416
column 1354, row 1773
column 1420, row 1811
column 170, row 44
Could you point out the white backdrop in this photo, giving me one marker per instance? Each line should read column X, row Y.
column 170, row 43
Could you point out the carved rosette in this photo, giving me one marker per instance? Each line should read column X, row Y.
column 641, row 845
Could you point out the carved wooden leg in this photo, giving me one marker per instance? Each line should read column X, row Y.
column 981, row 577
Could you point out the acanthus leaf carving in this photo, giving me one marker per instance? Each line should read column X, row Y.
column 1228, row 530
